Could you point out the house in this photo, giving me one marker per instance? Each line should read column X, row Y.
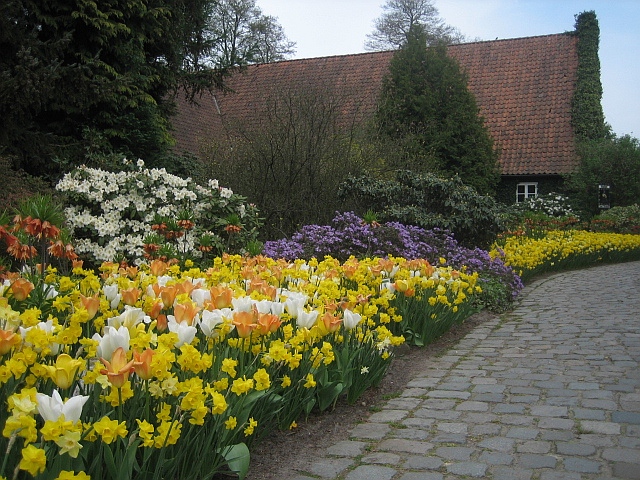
column 523, row 86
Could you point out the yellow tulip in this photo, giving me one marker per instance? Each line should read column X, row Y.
column 64, row 371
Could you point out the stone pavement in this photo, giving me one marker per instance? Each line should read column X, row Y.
column 548, row 391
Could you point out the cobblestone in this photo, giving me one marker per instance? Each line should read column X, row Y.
column 548, row 391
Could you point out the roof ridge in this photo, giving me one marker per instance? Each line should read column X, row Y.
column 379, row 52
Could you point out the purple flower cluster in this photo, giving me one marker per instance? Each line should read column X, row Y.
column 351, row 235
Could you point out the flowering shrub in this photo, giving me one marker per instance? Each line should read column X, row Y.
column 617, row 220
column 559, row 250
column 350, row 235
column 143, row 213
column 551, row 204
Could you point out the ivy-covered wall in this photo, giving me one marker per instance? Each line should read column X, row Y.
column 587, row 114
column 506, row 191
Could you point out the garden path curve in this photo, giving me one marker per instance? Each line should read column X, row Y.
column 548, row 391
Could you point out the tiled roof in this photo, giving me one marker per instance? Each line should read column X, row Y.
column 523, row 88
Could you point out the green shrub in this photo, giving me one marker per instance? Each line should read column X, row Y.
column 617, row 220
column 427, row 201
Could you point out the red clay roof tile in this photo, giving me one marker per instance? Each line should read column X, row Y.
column 523, row 87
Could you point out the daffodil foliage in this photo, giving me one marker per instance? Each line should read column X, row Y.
column 160, row 372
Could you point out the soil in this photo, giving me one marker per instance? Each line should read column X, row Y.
column 283, row 454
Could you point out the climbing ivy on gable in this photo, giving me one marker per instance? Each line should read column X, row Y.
column 587, row 114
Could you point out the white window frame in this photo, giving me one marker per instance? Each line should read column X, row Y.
column 527, row 193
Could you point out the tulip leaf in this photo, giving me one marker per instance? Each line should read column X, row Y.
column 328, row 394
column 237, row 457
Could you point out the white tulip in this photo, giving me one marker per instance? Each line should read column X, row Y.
column 112, row 339
column 350, row 319
column 51, row 407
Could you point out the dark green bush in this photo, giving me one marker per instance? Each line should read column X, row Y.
column 427, row 201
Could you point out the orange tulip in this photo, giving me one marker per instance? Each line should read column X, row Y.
column 155, row 310
column 142, row 363
column 168, row 295
column 161, row 322
column 255, row 285
column 131, row 295
column 185, row 287
column 245, row 323
column 221, row 297
column 118, row 369
column 90, row 304
column 158, row 268
column 268, row 323
column 330, row 323
column 270, row 291
column 21, row 289
column 349, row 270
column 8, row 340
column 64, row 371
column 185, row 312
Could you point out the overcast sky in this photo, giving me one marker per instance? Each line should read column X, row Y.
column 339, row 27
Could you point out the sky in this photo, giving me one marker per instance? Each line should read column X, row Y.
column 340, row 27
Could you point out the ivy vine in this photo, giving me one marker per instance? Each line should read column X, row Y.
column 587, row 114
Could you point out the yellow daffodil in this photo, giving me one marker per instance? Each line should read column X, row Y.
column 34, row 460
column 110, row 430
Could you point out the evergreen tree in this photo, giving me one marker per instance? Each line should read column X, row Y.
column 426, row 107
column 73, row 71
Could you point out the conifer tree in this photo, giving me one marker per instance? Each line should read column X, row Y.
column 428, row 110
column 76, row 75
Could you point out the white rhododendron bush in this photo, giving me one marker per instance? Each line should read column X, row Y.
column 135, row 213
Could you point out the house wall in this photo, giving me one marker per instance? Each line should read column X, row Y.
column 506, row 191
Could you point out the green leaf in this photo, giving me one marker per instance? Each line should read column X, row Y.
column 328, row 394
column 237, row 457
column 110, row 463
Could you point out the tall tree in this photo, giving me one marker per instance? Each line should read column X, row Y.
column 401, row 16
column 72, row 71
column 427, row 109
column 240, row 34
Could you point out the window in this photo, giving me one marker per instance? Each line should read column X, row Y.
column 526, row 190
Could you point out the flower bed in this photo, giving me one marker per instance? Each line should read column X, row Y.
column 157, row 372
column 562, row 250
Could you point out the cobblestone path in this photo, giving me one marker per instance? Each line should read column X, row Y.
column 548, row 391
